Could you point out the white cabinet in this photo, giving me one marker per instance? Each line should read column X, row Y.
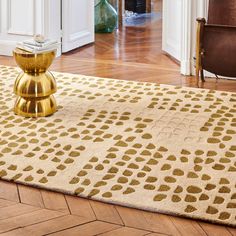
column 69, row 21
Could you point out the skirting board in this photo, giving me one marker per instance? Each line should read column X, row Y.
column 7, row 47
column 185, row 67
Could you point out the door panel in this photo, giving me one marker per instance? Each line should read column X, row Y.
column 77, row 23
column 20, row 20
column 15, row 26
column 172, row 27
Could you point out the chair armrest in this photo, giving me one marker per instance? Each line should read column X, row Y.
column 201, row 20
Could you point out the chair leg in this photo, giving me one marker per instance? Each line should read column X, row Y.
column 200, row 26
column 202, row 75
column 197, row 75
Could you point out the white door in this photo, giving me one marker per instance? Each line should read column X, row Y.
column 20, row 20
column 172, row 26
column 77, row 23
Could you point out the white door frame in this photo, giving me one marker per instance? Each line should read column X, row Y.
column 186, row 37
column 172, row 27
column 191, row 9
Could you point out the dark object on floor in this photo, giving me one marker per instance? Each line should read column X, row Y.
column 138, row 6
column 216, row 40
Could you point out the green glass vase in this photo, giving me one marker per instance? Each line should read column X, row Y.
column 105, row 17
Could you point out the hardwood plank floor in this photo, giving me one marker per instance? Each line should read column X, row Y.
column 133, row 53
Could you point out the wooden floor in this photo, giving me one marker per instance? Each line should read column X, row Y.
column 130, row 54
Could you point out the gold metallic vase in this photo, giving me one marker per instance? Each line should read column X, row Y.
column 35, row 86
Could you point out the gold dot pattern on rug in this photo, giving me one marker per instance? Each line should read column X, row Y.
column 155, row 147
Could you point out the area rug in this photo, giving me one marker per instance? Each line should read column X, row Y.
column 155, row 147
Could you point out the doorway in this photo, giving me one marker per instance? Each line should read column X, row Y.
column 143, row 12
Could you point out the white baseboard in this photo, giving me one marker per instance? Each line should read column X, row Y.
column 185, row 67
column 6, row 47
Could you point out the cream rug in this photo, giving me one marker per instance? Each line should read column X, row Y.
column 159, row 148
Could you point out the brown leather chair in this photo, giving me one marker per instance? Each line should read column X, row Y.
column 216, row 40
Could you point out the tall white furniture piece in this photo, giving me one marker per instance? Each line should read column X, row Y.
column 68, row 21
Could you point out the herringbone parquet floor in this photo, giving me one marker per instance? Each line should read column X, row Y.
column 30, row 211
column 132, row 54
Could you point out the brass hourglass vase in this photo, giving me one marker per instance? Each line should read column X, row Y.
column 34, row 86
